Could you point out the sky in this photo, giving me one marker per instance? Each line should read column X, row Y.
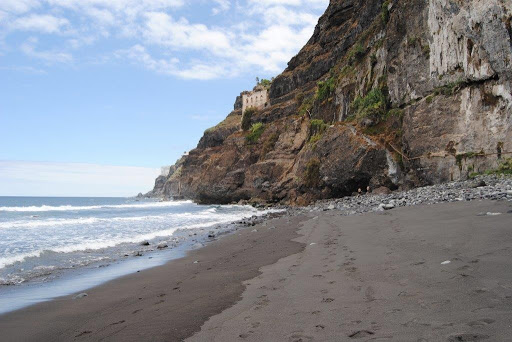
column 123, row 87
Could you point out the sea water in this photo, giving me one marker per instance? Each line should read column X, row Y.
column 43, row 238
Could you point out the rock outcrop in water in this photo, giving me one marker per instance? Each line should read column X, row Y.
column 385, row 93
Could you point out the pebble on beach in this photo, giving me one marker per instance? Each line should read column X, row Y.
column 80, row 295
column 162, row 245
column 489, row 187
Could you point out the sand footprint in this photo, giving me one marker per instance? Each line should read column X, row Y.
column 86, row 332
column 467, row 337
column 481, row 322
column 116, row 323
column 369, row 294
column 361, row 334
column 255, row 325
column 319, row 327
column 245, row 335
column 299, row 337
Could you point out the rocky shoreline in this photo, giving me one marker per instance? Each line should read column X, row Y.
column 484, row 187
column 481, row 188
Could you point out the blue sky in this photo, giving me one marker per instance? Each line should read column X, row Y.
column 119, row 84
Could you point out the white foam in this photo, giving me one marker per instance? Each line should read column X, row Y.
column 18, row 258
column 94, row 207
column 114, row 237
column 206, row 214
column 46, row 223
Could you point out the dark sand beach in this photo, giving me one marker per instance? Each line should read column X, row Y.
column 426, row 273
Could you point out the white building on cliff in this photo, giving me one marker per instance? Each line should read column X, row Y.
column 258, row 98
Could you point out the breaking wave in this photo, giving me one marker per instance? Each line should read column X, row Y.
column 43, row 208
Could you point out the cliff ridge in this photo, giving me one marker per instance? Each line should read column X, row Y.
column 392, row 94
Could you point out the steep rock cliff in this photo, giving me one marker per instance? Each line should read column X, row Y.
column 385, row 93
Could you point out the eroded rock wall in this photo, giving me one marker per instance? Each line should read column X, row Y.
column 470, row 51
column 385, row 93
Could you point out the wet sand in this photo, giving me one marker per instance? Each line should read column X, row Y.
column 377, row 277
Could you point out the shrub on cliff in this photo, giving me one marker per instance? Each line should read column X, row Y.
column 306, row 106
column 384, row 12
column 312, row 173
column 325, row 89
column 246, row 118
column 317, row 127
column 373, row 105
column 505, row 168
column 256, row 131
column 316, row 130
column 265, row 83
column 356, row 53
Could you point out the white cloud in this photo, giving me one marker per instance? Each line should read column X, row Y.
column 41, row 23
column 29, row 49
column 160, row 28
column 125, row 6
column 138, row 53
column 20, row 178
column 273, row 47
column 101, row 16
column 263, row 37
column 76, row 43
column 296, row 3
column 265, row 45
column 280, row 15
column 200, row 71
column 197, row 71
column 18, row 6
column 222, row 6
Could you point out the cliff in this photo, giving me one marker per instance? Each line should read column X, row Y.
column 385, row 93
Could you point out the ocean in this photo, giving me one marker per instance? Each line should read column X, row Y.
column 44, row 239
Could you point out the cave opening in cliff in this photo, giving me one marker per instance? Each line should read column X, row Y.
column 355, row 185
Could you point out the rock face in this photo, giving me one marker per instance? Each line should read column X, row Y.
column 385, row 94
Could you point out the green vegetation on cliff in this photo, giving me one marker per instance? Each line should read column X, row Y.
column 505, row 168
column 264, row 82
column 325, row 89
column 318, row 127
column 373, row 104
column 356, row 53
column 256, row 131
column 316, row 130
column 306, row 104
column 246, row 118
column 384, row 12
